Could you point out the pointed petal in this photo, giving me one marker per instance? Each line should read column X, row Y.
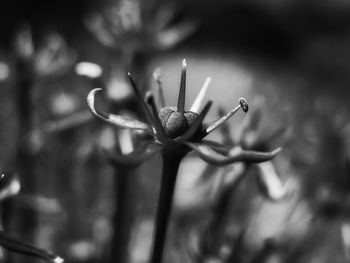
column 223, row 119
column 271, row 182
column 172, row 35
column 182, row 92
column 140, row 99
column 18, row 246
column 136, row 158
column 196, row 124
column 209, row 155
column 200, row 97
column 116, row 120
column 157, row 75
column 160, row 133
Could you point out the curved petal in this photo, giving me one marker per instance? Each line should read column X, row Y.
column 218, row 147
column 136, row 158
column 16, row 245
column 116, row 120
column 209, row 155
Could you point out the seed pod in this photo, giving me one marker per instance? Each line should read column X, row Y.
column 175, row 123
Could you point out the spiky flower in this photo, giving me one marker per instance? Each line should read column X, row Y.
column 174, row 132
column 175, row 129
column 134, row 25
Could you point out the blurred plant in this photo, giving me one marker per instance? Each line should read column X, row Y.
column 131, row 27
column 174, row 132
column 134, row 26
column 51, row 57
column 214, row 238
column 10, row 186
column 33, row 64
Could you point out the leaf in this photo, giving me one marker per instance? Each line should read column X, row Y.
column 16, row 245
column 209, row 155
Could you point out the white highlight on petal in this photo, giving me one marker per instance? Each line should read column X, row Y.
column 88, row 69
column 272, row 182
column 345, row 233
column 58, row 260
column 125, row 141
column 11, row 190
column 4, row 71
column 200, row 97
column 184, row 63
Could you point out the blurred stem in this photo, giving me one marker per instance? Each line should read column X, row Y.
column 171, row 163
column 24, row 220
column 124, row 216
column 25, row 159
column 216, row 229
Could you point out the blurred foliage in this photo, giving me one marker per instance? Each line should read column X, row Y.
column 293, row 54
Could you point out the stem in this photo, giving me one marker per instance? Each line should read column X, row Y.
column 171, row 163
column 124, row 214
column 25, row 159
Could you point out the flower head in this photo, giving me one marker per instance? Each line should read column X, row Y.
column 134, row 25
column 51, row 57
column 176, row 129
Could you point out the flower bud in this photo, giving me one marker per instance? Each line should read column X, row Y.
column 175, row 123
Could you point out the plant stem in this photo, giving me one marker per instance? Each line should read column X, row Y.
column 171, row 163
column 124, row 214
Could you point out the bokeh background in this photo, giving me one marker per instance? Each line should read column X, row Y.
column 289, row 59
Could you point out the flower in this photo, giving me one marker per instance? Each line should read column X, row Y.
column 136, row 26
column 250, row 138
column 52, row 57
column 173, row 129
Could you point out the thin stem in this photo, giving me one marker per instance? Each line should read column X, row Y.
column 171, row 163
column 124, row 216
